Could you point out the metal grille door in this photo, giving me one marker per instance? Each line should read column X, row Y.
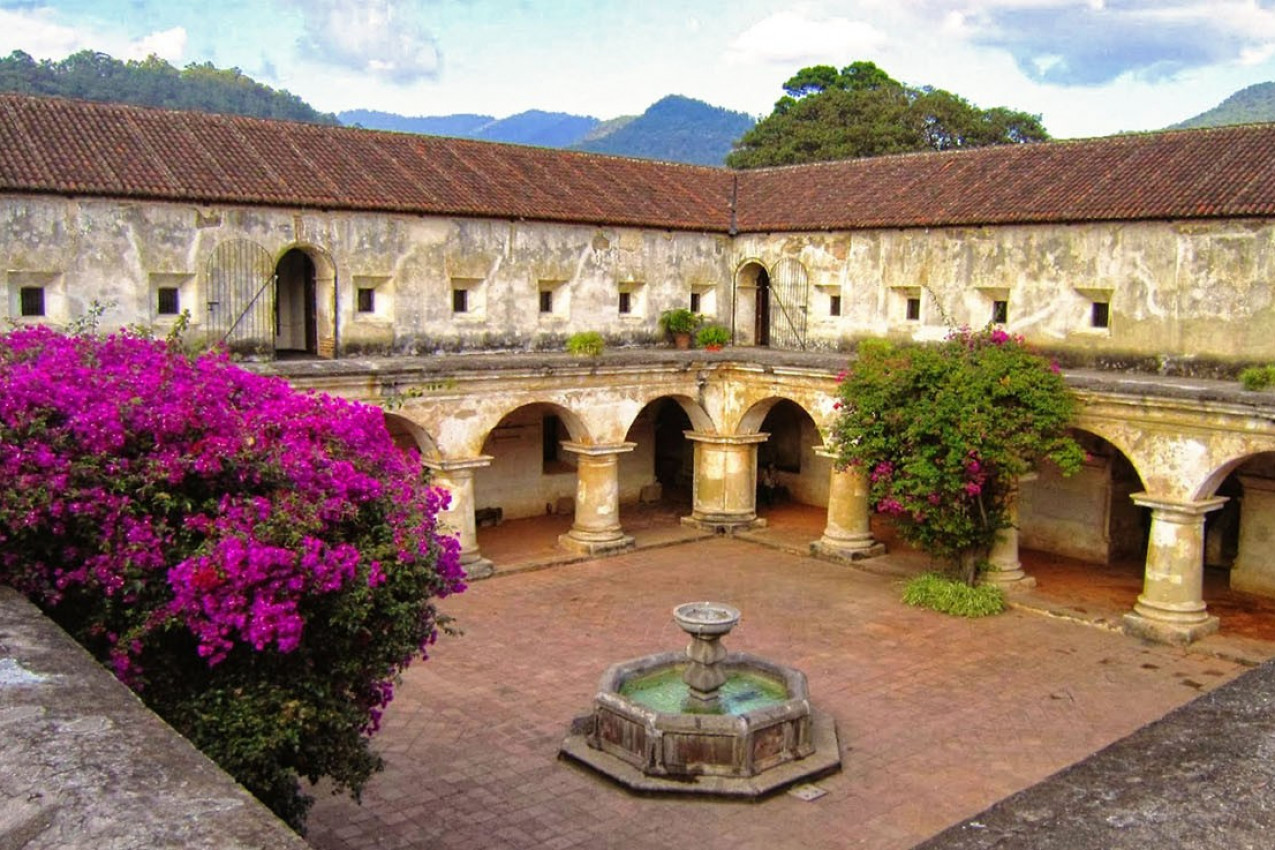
column 789, row 304
column 241, row 278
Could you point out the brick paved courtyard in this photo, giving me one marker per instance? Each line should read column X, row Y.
column 938, row 717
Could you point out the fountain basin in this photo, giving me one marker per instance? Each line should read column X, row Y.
column 750, row 753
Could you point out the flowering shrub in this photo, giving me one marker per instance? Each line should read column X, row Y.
column 258, row 564
column 943, row 432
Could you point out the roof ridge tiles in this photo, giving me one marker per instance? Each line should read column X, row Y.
column 64, row 146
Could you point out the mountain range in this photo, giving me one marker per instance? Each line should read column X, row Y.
column 1251, row 105
column 675, row 128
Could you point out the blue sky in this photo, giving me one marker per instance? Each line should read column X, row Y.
column 1090, row 67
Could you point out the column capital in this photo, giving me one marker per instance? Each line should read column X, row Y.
column 1175, row 510
column 446, row 465
column 592, row 450
column 726, row 439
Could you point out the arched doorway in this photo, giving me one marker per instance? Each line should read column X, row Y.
column 296, row 329
column 761, row 326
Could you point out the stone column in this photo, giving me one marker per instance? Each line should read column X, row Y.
column 1171, row 608
column 457, row 477
column 724, row 495
column 596, row 529
column 1005, row 570
column 1254, row 567
column 848, row 534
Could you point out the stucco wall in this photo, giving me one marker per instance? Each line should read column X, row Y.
column 1177, row 291
column 117, row 253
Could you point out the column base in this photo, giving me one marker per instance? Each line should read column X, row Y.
column 590, row 543
column 1009, row 580
column 855, row 550
column 478, row 568
column 1171, row 632
column 723, row 523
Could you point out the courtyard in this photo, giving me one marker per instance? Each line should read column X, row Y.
column 938, row 718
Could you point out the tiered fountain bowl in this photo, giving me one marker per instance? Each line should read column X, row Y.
column 705, row 721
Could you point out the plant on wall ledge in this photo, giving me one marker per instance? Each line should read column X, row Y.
column 586, row 344
column 678, row 324
column 712, row 337
column 1257, row 378
column 943, row 432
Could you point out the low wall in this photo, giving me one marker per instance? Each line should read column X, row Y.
column 84, row 764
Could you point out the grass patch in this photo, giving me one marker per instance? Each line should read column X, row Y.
column 952, row 596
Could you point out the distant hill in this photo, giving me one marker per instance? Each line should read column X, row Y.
column 534, row 127
column 153, row 82
column 461, row 126
column 677, row 129
column 1252, row 105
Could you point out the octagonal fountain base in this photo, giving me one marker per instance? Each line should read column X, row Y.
column 749, row 749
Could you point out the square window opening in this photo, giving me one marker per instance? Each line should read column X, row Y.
column 914, row 309
column 834, row 305
column 1100, row 315
column 31, row 300
column 546, row 301
column 460, row 300
column 695, row 302
column 1000, row 312
column 626, row 303
column 366, row 300
column 167, row 301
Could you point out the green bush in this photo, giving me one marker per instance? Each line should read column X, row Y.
column 1257, row 377
column 949, row 595
column 943, row 432
column 586, row 344
column 712, row 335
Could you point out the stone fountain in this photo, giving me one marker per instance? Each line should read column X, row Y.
column 704, row 721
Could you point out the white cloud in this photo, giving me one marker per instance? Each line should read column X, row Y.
column 794, row 38
column 381, row 37
column 169, row 45
column 37, row 32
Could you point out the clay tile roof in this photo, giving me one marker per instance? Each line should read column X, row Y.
column 70, row 147
column 1222, row 172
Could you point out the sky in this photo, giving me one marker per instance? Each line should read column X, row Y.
column 1088, row 67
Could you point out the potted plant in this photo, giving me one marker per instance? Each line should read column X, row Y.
column 712, row 337
column 679, row 324
column 586, row 344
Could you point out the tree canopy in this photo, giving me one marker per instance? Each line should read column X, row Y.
column 859, row 111
column 153, row 82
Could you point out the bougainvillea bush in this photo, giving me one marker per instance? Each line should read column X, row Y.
column 258, row 564
column 944, row 431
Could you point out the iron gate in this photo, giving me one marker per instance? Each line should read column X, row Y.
column 241, row 315
column 789, row 304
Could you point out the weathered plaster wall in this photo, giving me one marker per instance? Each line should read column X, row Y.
column 1183, row 293
column 117, row 253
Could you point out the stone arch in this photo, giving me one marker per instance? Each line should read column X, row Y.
column 750, row 303
column 662, row 465
column 305, row 301
column 530, row 473
column 1238, row 536
column 1090, row 515
column 407, row 435
column 787, row 461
